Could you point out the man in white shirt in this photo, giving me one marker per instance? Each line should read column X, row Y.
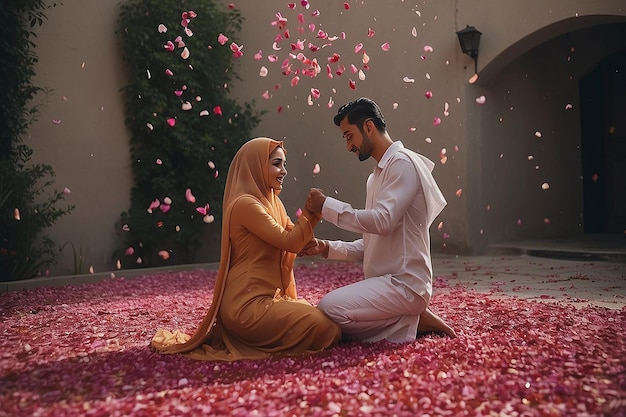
column 403, row 199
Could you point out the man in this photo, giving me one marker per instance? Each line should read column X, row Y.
column 403, row 199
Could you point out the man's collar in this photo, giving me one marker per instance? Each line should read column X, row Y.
column 391, row 150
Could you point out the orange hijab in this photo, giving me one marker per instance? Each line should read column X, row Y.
column 248, row 175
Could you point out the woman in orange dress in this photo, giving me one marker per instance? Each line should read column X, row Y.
column 255, row 311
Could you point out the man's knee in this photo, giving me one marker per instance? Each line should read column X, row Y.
column 330, row 306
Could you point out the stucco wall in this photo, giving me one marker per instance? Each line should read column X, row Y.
column 80, row 60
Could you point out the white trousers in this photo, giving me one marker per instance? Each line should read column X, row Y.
column 374, row 309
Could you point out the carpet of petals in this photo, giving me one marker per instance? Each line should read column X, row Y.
column 84, row 350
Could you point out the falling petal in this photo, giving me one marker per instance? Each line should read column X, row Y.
column 222, row 39
column 169, row 46
column 295, row 80
column 209, row 218
column 352, row 84
column 91, row 270
column 118, row 264
column 358, row 48
column 361, row 75
column 298, row 212
column 263, row 72
column 331, row 103
column 148, row 73
column 346, row 6
column 217, row 110
column 189, row 196
column 56, row 121
column 545, row 186
column 169, row 72
column 459, row 192
column 126, row 228
column 266, row 95
column 165, row 208
column 473, row 79
column 428, row 94
column 316, row 169
column 16, row 214
column 236, row 50
column 67, row 191
column 162, row 28
column 370, row 32
column 436, row 121
column 203, row 210
column 414, row 32
column 385, row 46
column 538, row 134
column 204, row 113
column 186, row 106
column 480, row 100
column 428, row 48
column 165, row 255
column 185, row 53
column 366, row 58
column 171, row 121
column 130, row 251
column 408, row 80
column 568, row 106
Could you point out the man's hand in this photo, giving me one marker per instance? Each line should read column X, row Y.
column 315, row 200
column 315, row 247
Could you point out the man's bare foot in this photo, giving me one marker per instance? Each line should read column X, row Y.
column 432, row 323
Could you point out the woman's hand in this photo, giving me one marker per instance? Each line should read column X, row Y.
column 315, row 200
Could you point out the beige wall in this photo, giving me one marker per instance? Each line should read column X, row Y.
column 89, row 149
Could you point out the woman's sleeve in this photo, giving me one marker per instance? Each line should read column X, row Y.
column 251, row 214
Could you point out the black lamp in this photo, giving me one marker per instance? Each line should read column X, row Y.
column 469, row 38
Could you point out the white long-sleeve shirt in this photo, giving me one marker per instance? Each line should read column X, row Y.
column 403, row 199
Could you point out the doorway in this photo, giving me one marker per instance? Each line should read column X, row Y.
column 603, row 147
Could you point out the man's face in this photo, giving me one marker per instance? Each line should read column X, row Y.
column 357, row 140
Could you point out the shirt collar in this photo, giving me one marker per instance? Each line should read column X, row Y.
column 391, row 150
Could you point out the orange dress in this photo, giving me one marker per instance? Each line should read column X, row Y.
column 255, row 311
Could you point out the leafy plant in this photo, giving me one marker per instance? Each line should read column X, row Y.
column 184, row 127
column 28, row 205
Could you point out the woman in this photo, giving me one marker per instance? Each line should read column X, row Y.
column 255, row 311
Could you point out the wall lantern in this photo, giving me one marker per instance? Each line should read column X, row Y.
column 469, row 38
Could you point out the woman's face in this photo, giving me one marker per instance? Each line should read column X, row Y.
column 277, row 170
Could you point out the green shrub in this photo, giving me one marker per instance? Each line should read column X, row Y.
column 195, row 152
column 28, row 205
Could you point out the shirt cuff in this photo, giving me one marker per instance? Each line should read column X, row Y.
column 331, row 209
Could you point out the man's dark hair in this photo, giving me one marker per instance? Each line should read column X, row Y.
column 358, row 111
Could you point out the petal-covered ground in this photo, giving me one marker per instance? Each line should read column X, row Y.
column 83, row 350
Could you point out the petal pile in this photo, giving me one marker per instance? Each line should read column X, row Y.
column 83, row 350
